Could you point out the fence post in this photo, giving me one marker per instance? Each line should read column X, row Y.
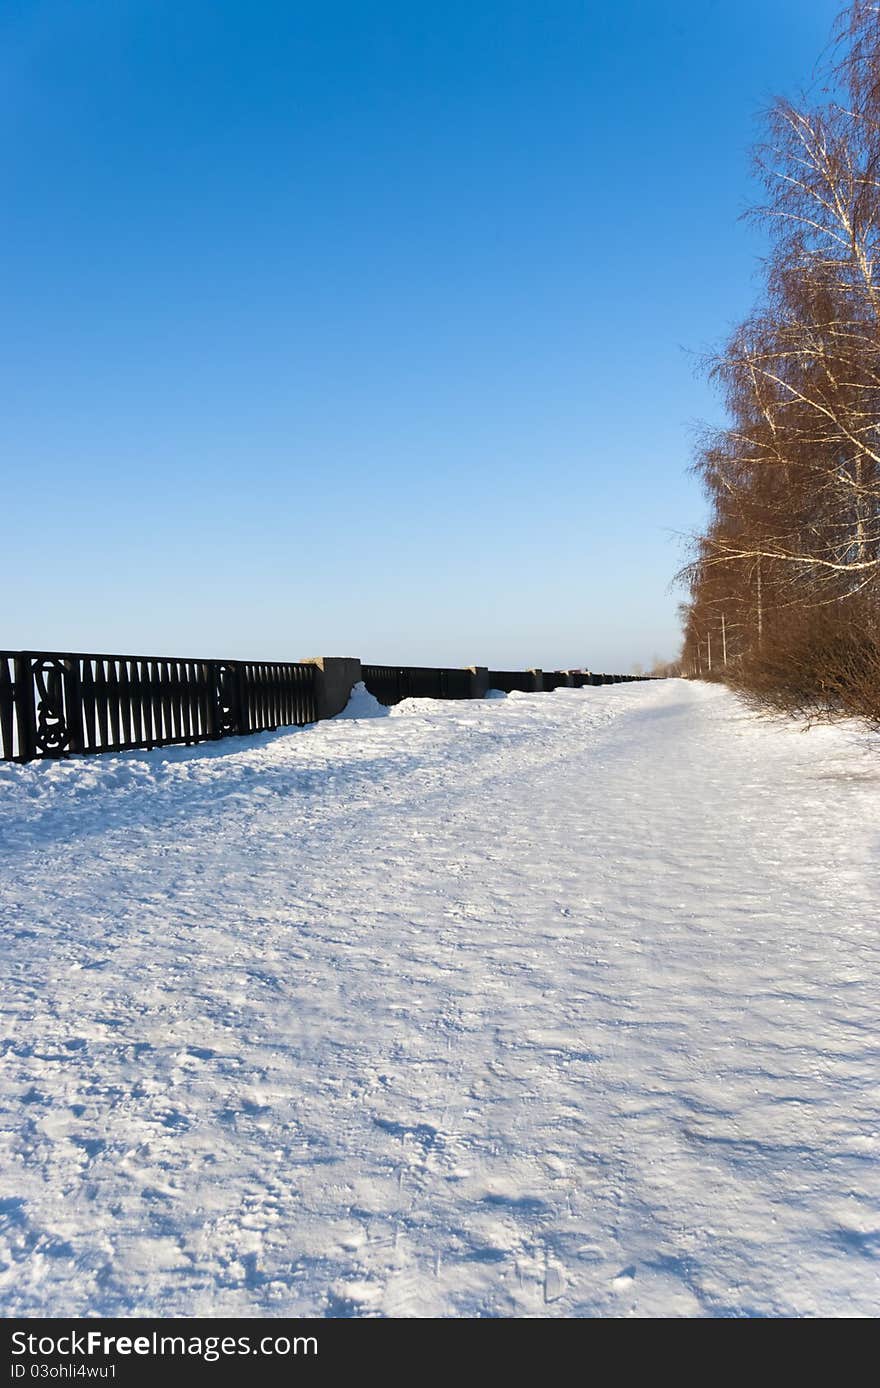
column 25, row 708
column 74, row 709
column 479, row 681
column 213, row 701
column 335, row 678
column 242, row 712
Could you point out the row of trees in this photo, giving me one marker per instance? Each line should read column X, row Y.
column 785, row 581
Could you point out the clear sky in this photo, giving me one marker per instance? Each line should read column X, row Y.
column 369, row 328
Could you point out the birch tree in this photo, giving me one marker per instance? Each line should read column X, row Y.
column 794, row 479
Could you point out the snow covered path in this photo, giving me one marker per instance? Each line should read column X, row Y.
column 552, row 1005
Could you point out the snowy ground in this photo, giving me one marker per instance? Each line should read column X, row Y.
column 550, row 1005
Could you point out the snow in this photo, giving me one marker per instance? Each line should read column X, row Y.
column 363, row 704
column 550, row 1005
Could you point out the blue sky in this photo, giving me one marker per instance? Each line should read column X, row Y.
column 369, row 328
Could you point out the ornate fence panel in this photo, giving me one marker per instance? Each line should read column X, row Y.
column 52, row 705
column 455, row 684
column 274, row 695
column 556, row 679
column 387, row 683
column 430, row 682
column 391, row 683
column 425, row 682
column 8, row 729
column 511, row 680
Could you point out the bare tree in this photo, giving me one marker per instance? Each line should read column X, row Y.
column 794, row 479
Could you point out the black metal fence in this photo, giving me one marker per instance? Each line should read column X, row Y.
column 513, row 681
column 556, row 679
column 52, row 704
column 391, row 683
column 528, row 681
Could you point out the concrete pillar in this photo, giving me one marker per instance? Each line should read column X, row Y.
column 335, row 678
column 479, row 681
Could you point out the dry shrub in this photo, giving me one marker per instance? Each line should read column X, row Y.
column 816, row 663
